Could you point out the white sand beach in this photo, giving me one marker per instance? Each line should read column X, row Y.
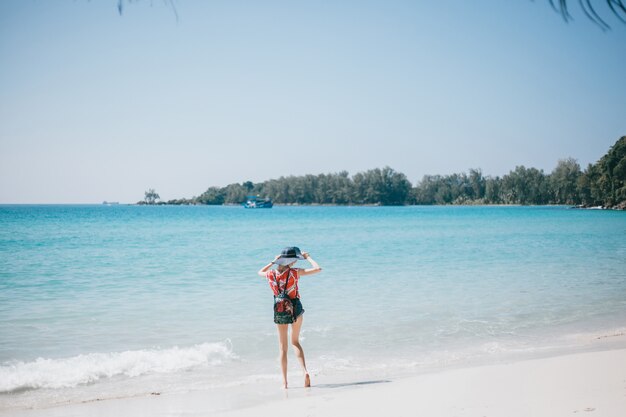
column 580, row 384
column 586, row 384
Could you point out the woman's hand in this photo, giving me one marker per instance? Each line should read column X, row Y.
column 266, row 268
column 305, row 255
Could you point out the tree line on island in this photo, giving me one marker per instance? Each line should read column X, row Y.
column 600, row 184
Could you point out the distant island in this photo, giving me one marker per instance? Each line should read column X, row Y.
column 602, row 184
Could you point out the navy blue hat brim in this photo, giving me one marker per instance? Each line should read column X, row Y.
column 287, row 261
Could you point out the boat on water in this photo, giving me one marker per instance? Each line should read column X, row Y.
column 256, row 202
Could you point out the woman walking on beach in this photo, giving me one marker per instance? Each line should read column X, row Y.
column 287, row 306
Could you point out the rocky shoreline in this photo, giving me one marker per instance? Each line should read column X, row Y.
column 619, row 206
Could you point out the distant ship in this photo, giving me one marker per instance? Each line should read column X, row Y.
column 256, row 202
column 110, row 203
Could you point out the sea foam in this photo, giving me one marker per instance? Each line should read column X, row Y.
column 90, row 368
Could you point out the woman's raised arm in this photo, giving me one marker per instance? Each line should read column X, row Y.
column 263, row 270
column 310, row 271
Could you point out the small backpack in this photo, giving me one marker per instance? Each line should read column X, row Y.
column 283, row 306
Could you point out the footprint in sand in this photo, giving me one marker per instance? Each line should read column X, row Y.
column 589, row 409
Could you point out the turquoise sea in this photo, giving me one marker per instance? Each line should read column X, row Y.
column 108, row 301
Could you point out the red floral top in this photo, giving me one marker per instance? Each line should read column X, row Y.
column 277, row 281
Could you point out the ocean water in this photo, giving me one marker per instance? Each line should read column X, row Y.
column 109, row 301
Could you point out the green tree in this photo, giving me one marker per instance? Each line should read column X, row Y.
column 425, row 191
column 151, row 196
column 341, row 186
column 583, row 187
column 212, row 196
column 235, row 193
column 394, row 187
column 492, row 190
column 248, row 185
column 381, row 186
column 524, row 186
column 478, row 184
column 564, row 182
column 606, row 179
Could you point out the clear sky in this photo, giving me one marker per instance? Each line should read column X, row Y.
column 96, row 106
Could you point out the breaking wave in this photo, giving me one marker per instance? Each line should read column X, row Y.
column 93, row 367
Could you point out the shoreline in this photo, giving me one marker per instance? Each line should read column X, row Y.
column 568, row 206
column 592, row 380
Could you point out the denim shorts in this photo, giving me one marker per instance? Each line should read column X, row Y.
column 297, row 306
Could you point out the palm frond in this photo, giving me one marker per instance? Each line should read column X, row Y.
column 617, row 7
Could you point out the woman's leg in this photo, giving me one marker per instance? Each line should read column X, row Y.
column 295, row 341
column 282, row 350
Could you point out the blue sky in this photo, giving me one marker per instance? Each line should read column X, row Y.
column 96, row 106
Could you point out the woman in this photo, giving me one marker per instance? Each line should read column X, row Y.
column 285, row 278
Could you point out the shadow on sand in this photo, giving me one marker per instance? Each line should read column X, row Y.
column 352, row 384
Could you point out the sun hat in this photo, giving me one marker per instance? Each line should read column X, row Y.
column 289, row 255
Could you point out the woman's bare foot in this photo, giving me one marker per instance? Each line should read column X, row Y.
column 307, row 381
column 285, row 385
